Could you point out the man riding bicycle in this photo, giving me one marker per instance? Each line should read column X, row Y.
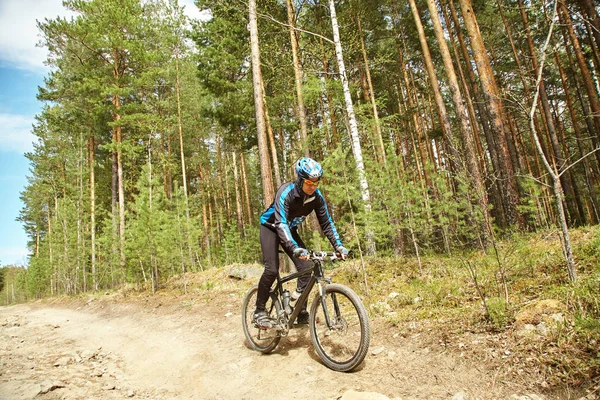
column 279, row 226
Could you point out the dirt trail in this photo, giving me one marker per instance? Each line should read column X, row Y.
column 193, row 348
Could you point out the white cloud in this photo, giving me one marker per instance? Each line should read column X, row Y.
column 13, row 256
column 19, row 32
column 192, row 11
column 16, row 133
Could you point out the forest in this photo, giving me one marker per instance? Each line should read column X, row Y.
column 442, row 126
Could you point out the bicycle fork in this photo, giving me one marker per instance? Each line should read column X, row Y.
column 331, row 325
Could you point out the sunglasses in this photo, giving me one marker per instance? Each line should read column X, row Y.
column 310, row 183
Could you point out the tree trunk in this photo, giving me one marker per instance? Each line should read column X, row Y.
column 271, row 137
column 378, row 135
column 416, row 121
column 180, row 131
column 492, row 95
column 183, row 168
column 121, row 186
column 592, row 18
column 356, row 147
column 263, row 150
column 246, row 189
column 92, row 162
column 588, row 84
column 437, row 94
column 298, row 77
column 238, row 194
column 462, row 115
column 593, row 198
column 549, row 118
column 553, row 172
column 330, row 103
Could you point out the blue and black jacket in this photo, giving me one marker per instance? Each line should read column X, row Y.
column 290, row 208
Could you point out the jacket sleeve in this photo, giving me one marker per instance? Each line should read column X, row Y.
column 326, row 221
column 281, row 214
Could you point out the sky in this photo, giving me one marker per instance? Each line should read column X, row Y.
column 22, row 70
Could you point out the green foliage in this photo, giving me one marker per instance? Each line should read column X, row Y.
column 498, row 312
column 38, row 277
column 15, row 285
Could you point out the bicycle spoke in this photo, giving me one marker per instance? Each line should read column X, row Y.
column 342, row 341
column 259, row 339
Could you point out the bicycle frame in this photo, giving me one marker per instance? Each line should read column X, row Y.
column 316, row 277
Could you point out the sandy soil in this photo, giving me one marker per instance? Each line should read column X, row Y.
column 193, row 347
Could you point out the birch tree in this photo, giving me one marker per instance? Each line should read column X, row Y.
column 356, row 146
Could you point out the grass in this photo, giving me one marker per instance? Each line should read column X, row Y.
column 484, row 292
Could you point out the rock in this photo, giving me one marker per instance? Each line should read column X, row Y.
column 540, row 317
column 460, row 396
column 47, row 386
column 542, row 328
column 130, row 393
column 530, row 396
column 245, row 272
column 87, row 354
column 63, row 361
column 377, row 350
column 539, row 311
column 354, row 395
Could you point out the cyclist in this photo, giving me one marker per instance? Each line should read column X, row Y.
column 279, row 226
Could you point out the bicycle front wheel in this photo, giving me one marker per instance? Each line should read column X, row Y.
column 262, row 340
column 342, row 343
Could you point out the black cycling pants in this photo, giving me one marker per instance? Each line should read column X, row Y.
column 269, row 242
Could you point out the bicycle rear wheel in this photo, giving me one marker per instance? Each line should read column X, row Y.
column 262, row 340
column 344, row 344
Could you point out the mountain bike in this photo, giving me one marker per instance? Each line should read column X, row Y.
column 338, row 321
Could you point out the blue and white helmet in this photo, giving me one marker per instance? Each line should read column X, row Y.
column 307, row 168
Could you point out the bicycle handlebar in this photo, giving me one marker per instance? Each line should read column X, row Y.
column 324, row 255
column 320, row 255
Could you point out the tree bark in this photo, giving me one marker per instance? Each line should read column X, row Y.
column 246, row 189
column 271, row 137
column 437, row 94
column 238, row 194
column 559, row 157
column 356, row 147
column 378, row 135
column 593, row 19
column 92, row 165
column 298, row 77
column 593, row 198
column 553, row 172
column 121, row 186
column 588, row 83
column 263, row 150
column 462, row 115
column 495, row 107
column 330, row 103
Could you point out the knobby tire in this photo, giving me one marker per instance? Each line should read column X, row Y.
column 344, row 347
column 264, row 341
